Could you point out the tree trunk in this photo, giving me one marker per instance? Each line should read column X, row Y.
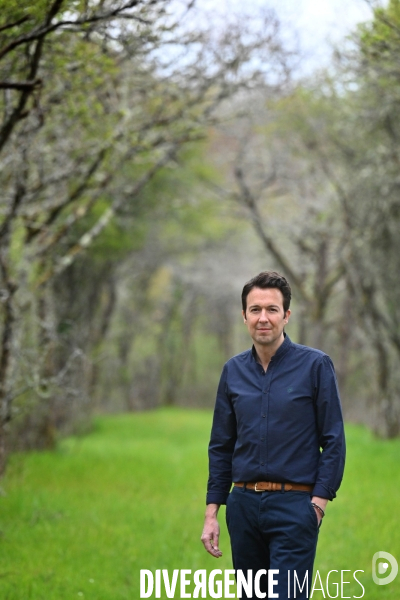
column 8, row 292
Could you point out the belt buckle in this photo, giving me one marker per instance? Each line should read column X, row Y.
column 257, row 490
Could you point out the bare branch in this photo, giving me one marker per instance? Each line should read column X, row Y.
column 47, row 28
column 76, row 194
column 20, row 85
column 245, row 197
column 87, row 239
column 15, row 24
column 17, row 113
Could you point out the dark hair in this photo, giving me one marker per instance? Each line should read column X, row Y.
column 268, row 279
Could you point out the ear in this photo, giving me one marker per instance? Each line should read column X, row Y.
column 244, row 316
column 286, row 319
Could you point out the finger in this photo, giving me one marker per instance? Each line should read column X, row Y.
column 215, row 541
column 214, row 544
column 215, row 551
column 211, row 548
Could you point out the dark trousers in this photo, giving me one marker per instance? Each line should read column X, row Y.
column 273, row 530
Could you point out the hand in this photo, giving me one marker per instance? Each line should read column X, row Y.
column 319, row 516
column 322, row 502
column 210, row 535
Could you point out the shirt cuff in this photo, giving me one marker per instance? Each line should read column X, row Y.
column 217, row 497
column 323, row 492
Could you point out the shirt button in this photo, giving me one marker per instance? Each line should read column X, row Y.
column 262, row 464
column 263, row 416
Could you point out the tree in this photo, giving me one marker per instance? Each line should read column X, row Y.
column 276, row 190
column 99, row 99
column 348, row 128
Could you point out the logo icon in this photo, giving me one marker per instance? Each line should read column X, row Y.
column 380, row 565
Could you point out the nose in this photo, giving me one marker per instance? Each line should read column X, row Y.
column 263, row 315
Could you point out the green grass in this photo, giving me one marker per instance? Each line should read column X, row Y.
column 82, row 521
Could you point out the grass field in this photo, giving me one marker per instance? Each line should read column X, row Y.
column 82, row 521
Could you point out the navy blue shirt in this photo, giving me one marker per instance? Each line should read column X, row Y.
column 282, row 425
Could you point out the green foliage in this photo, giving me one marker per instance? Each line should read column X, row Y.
column 379, row 54
column 194, row 218
column 119, row 238
column 377, row 34
column 79, row 79
column 12, row 11
column 82, row 522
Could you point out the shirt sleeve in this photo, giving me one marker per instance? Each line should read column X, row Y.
column 222, row 444
column 330, row 431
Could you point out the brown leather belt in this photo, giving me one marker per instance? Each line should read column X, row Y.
column 271, row 486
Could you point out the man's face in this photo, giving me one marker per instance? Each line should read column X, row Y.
column 265, row 317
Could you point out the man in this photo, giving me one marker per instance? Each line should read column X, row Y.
column 278, row 435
